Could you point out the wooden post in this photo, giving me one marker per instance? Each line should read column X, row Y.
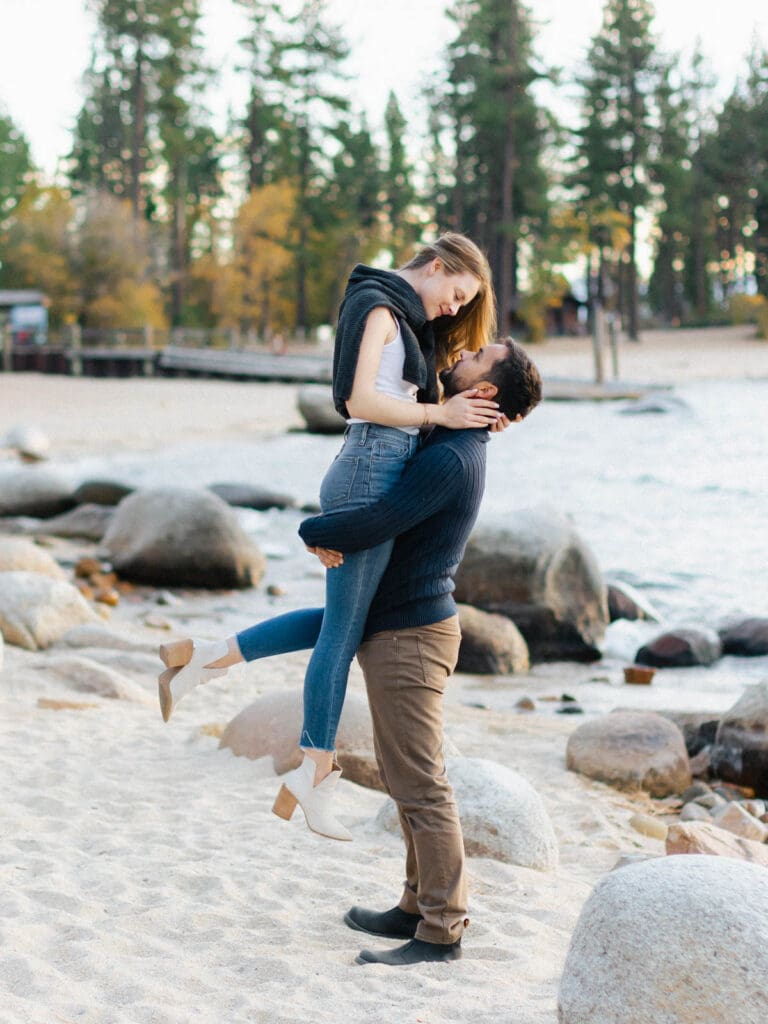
column 598, row 333
column 76, row 350
column 613, row 336
column 6, row 340
column 149, row 360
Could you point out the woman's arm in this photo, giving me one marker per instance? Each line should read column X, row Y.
column 367, row 403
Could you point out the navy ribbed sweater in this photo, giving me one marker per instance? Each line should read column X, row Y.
column 431, row 511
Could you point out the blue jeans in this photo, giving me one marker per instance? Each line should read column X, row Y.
column 369, row 463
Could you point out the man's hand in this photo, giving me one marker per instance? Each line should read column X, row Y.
column 330, row 559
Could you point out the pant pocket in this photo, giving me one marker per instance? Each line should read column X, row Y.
column 339, row 482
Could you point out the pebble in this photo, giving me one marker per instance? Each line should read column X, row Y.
column 87, row 566
column 275, row 590
column 735, row 819
column 157, row 622
column 571, row 709
column 757, row 808
column 526, row 704
column 697, row 789
column 710, row 800
column 649, row 826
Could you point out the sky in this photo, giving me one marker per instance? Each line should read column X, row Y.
column 396, row 44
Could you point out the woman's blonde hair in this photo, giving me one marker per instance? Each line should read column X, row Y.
column 475, row 324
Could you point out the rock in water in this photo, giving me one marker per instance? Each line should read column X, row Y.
column 34, row 491
column 248, row 496
column 101, row 492
column 740, row 753
column 624, row 602
column 490, row 644
column 672, row 940
column 747, row 638
column 316, row 406
column 540, row 574
column 681, row 648
column 88, row 521
column 631, row 750
column 176, row 536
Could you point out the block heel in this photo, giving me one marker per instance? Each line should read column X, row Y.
column 177, row 654
column 285, row 804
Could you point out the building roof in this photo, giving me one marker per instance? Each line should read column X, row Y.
column 21, row 297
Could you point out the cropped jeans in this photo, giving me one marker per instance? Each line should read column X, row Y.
column 370, row 462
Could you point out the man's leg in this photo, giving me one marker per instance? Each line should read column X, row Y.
column 405, row 673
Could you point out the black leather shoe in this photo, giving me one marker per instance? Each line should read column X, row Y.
column 392, row 924
column 414, row 952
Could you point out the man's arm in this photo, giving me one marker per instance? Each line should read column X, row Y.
column 427, row 485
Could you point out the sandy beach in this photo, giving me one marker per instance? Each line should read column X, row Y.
column 145, row 880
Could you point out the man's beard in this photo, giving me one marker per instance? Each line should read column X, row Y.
column 448, row 380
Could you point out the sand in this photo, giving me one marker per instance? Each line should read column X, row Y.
column 144, row 877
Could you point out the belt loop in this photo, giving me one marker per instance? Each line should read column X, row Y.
column 364, row 433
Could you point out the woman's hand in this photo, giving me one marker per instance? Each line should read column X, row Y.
column 330, row 559
column 466, row 409
column 503, row 422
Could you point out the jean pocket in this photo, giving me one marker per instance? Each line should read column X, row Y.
column 390, row 449
column 338, row 482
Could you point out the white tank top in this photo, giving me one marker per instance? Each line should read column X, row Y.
column 389, row 379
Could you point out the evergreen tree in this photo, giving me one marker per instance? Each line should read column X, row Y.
column 398, row 186
column 614, row 142
column 500, row 190
column 15, row 166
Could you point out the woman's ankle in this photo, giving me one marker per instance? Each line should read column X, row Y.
column 232, row 657
column 323, row 760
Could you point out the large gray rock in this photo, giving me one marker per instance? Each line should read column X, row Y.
column 271, row 726
column 625, row 602
column 740, row 752
column 490, row 643
column 36, row 611
column 631, row 750
column 539, row 573
column 502, row 815
column 175, row 536
column 316, row 406
column 34, row 492
column 747, row 638
column 681, row 648
column 19, row 555
column 673, row 940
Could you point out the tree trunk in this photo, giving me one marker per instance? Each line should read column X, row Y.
column 507, row 285
column 301, row 255
column 139, row 126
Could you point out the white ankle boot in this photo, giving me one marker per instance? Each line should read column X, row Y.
column 315, row 800
column 175, row 683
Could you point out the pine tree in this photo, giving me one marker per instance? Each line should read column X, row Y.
column 614, row 141
column 398, row 185
column 500, row 190
column 15, row 166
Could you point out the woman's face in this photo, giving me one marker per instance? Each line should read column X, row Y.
column 444, row 294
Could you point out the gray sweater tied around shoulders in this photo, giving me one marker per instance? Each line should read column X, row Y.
column 368, row 288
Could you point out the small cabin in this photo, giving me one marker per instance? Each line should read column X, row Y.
column 26, row 313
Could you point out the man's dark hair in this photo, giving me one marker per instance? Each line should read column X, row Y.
column 517, row 379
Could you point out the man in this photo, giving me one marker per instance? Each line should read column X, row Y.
column 411, row 647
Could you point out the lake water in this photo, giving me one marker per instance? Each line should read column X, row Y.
column 675, row 503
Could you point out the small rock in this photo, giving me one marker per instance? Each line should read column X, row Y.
column 165, row 597
column 571, row 709
column 624, row 602
column 526, row 704
column 49, row 704
column 275, row 590
column 567, row 698
column 701, row 762
column 735, row 819
column 697, row 789
column 628, row 859
column 36, row 611
column 694, row 812
column 709, row 801
column 757, row 808
column 87, row 521
column 247, row 496
column 649, row 826
column 108, row 596
column 87, row 566
column 704, row 838
column 85, row 589
column 34, row 491
column 157, row 621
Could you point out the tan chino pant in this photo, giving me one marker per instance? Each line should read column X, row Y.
column 405, row 673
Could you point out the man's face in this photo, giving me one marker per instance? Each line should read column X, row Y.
column 471, row 368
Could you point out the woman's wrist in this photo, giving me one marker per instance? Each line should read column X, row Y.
column 431, row 415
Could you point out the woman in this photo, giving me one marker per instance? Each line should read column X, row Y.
column 397, row 330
